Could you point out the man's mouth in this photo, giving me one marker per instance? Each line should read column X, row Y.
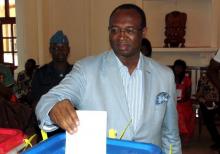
column 123, row 46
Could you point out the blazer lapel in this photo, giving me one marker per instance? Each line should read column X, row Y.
column 147, row 91
column 110, row 68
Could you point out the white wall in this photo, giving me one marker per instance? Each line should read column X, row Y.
column 85, row 22
column 198, row 25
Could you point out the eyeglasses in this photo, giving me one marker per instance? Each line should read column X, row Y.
column 127, row 31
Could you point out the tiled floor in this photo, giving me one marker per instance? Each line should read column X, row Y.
column 200, row 145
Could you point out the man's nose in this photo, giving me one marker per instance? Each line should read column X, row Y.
column 122, row 34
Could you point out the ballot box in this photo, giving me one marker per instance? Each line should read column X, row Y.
column 56, row 145
column 11, row 141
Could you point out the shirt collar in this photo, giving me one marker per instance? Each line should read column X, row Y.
column 139, row 65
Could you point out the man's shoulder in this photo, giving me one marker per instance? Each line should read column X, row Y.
column 95, row 59
column 158, row 67
column 42, row 71
column 44, row 67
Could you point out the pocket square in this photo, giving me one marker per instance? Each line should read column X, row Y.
column 162, row 98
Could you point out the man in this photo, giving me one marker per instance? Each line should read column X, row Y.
column 146, row 48
column 24, row 80
column 123, row 82
column 213, row 70
column 51, row 74
column 209, row 115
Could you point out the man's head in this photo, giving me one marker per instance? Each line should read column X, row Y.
column 146, row 48
column 59, row 47
column 30, row 65
column 127, row 26
column 179, row 67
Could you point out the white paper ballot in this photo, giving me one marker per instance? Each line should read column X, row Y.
column 91, row 134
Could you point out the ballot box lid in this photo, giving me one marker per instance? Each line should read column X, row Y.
column 56, row 144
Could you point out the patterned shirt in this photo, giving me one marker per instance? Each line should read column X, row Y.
column 23, row 84
column 207, row 89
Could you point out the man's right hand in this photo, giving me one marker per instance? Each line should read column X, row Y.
column 64, row 115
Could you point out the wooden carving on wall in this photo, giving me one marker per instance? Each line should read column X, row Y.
column 175, row 29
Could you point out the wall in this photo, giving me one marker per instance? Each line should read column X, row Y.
column 85, row 22
column 198, row 25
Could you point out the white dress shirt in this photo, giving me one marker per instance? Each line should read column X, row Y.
column 133, row 86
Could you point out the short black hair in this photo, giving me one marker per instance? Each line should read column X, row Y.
column 31, row 61
column 180, row 62
column 133, row 7
column 145, row 44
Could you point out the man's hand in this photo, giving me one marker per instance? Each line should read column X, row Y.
column 64, row 115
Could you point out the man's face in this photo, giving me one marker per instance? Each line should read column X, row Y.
column 179, row 70
column 59, row 52
column 125, row 33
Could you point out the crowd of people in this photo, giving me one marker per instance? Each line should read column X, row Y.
column 124, row 80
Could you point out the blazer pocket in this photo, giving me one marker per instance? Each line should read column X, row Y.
column 162, row 98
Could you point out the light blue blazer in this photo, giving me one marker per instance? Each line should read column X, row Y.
column 95, row 84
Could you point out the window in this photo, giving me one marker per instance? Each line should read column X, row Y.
column 8, row 36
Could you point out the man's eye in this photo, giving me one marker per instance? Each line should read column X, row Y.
column 55, row 48
column 115, row 30
column 129, row 31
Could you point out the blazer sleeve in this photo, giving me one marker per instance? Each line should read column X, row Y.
column 170, row 130
column 71, row 87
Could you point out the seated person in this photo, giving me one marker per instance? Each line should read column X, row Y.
column 24, row 80
column 8, row 77
column 13, row 114
column 7, row 84
column 186, row 117
column 5, row 92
